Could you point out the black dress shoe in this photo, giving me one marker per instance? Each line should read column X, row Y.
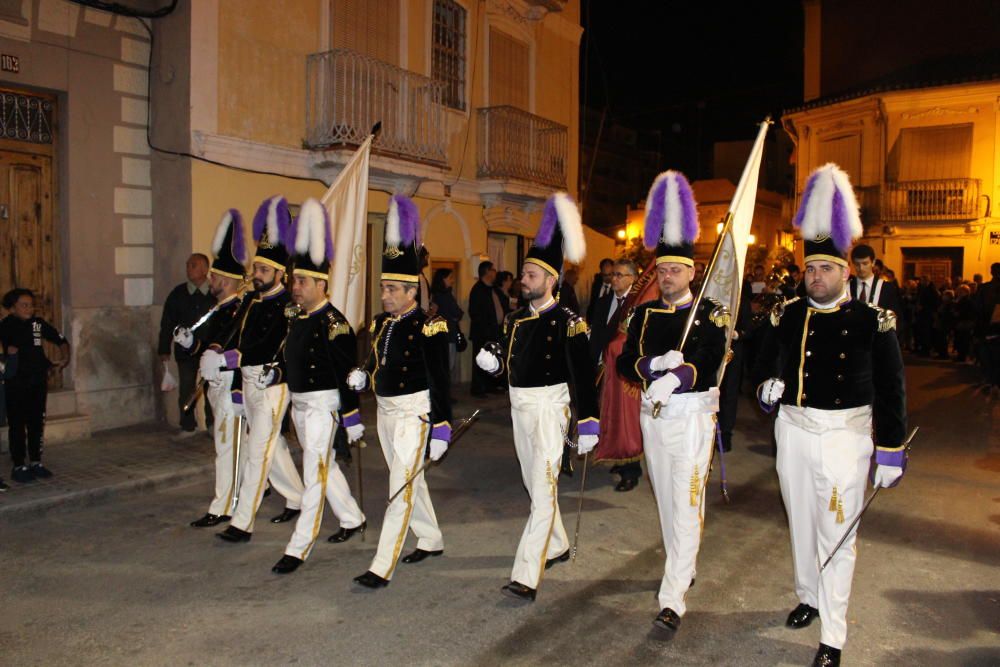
column 233, row 534
column 210, row 520
column 561, row 558
column 567, row 467
column 420, row 554
column 827, row 656
column 667, row 620
column 802, row 616
column 40, row 471
column 345, row 534
column 267, row 491
column 286, row 515
column 626, row 484
column 519, row 591
column 287, row 564
column 371, row 580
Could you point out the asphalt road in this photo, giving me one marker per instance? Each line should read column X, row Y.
column 127, row 582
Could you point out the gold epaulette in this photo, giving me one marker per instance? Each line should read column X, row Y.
column 435, row 326
column 575, row 326
column 719, row 316
column 779, row 310
column 371, row 327
column 337, row 327
column 886, row 318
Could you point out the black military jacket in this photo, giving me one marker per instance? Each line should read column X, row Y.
column 320, row 350
column 654, row 328
column 845, row 357
column 218, row 326
column 261, row 329
column 409, row 354
column 548, row 348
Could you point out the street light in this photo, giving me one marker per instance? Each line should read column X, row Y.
column 621, row 234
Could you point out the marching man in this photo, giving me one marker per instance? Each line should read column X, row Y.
column 225, row 279
column 408, row 370
column 833, row 367
column 254, row 348
column 544, row 350
column 677, row 437
column 319, row 352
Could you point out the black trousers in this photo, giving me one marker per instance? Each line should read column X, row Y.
column 729, row 394
column 26, row 419
column 187, row 369
column 481, row 382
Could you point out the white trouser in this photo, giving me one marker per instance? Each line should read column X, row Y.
column 313, row 415
column 403, row 432
column 227, row 423
column 266, row 450
column 678, row 448
column 823, row 460
column 541, row 416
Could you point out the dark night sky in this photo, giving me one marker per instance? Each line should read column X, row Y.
column 700, row 72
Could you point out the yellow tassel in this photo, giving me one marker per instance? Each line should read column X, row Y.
column 833, row 500
column 695, row 487
column 840, row 510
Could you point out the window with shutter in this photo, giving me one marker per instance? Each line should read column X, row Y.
column 929, row 153
column 509, row 72
column 370, row 27
column 448, row 54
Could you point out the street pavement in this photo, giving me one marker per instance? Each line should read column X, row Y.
column 111, row 574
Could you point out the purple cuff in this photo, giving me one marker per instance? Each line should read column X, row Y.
column 645, row 371
column 891, row 457
column 684, row 373
column 589, row 426
column 237, row 396
column 441, row 431
column 767, row 408
column 352, row 418
column 232, row 359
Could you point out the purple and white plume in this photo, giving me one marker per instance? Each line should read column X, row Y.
column 313, row 232
column 561, row 210
column 671, row 212
column 402, row 222
column 829, row 208
column 272, row 215
column 231, row 218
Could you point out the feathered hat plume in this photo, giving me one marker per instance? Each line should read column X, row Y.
column 829, row 210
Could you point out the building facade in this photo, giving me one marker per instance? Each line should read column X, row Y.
column 158, row 126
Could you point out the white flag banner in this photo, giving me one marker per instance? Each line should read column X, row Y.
column 725, row 278
column 346, row 203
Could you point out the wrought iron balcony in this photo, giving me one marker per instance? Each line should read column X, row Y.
column 515, row 144
column 347, row 93
column 944, row 199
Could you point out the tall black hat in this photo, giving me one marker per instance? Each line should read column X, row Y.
column 671, row 224
column 560, row 235
column 311, row 241
column 269, row 229
column 229, row 247
column 401, row 251
column 828, row 218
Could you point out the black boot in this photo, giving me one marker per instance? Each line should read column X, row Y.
column 345, row 534
column 286, row 515
column 287, row 565
column 371, row 580
column 827, row 656
column 802, row 616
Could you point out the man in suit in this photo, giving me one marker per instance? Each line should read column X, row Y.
column 600, row 287
column 567, row 290
column 485, row 314
column 866, row 286
column 602, row 323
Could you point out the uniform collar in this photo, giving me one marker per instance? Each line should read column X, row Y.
column 833, row 305
column 548, row 305
column 409, row 311
column 319, row 308
column 277, row 290
column 229, row 299
column 684, row 302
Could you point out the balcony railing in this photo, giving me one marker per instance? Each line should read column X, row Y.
column 945, row 199
column 519, row 145
column 347, row 93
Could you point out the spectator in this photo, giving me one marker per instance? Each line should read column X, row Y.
column 21, row 334
column 443, row 297
column 965, row 316
column 987, row 331
column 567, row 291
column 424, row 291
column 758, row 282
column 602, row 326
column 699, row 276
column 600, row 286
column 928, row 300
column 865, row 285
column 485, row 316
column 904, row 319
column 944, row 324
column 184, row 306
column 503, row 283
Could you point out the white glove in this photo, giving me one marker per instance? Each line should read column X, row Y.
column 265, row 379
column 886, row 476
column 438, row 448
column 661, row 390
column 184, row 337
column 771, row 391
column 210, row 364
column 357, row 380
column 586, row 444
column 239, row 410
column 667, row 362
column 487, row 361
column 355, row 432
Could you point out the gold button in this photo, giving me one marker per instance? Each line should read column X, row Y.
column 548, row 356
column 410, row 337
column 401, row 385
column 312, row 365
column 811, row 333
column 315, row 335
column 548, row 338
column 311, row 380
column 809, row 353
column 840, row 377
column 553, row 322
column 843, row 356
column 697, row 322
column 805, row 375
column 404, row 369
column 843, row 332
column 406, row 353
column 836, row 401
column 803, row 395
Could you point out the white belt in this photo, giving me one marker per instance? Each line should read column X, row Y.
column 417, row 403
column 702, row 402
column 820, row 421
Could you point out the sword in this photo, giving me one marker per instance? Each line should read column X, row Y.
column 361, row 444
column 237, row 442
column 579, row 507
column 455, row 436
column 906, row 445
